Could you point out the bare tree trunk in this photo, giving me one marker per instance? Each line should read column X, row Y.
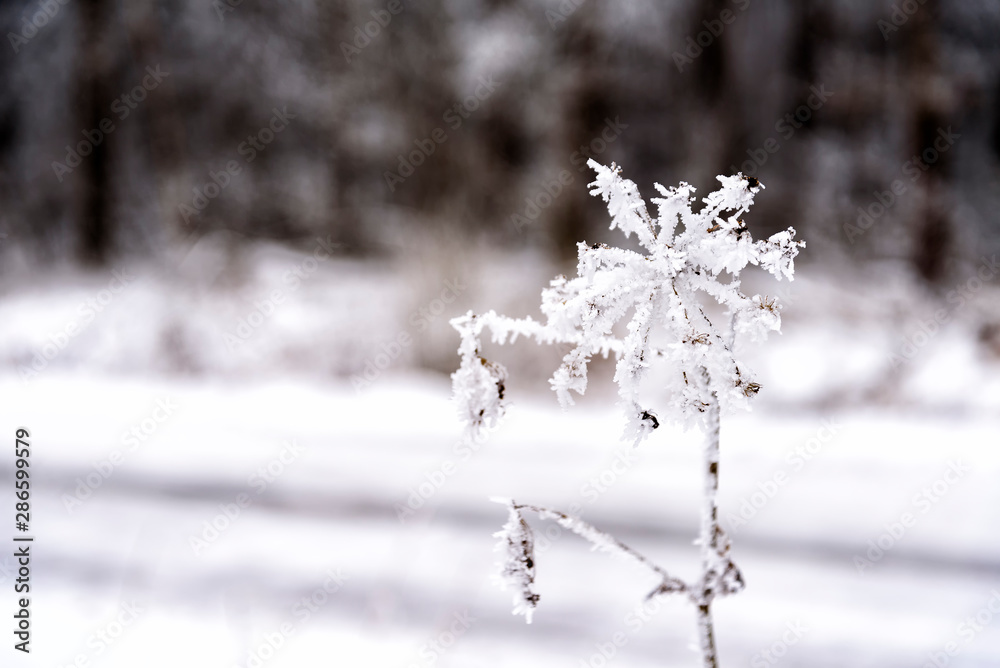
column 165, row 129
column 96, row 232
column 934, row 234
column 709, row 535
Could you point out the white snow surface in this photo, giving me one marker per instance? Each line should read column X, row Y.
column 333, row 508
column 875, row 440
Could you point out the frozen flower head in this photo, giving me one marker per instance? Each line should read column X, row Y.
column 689, row 258
column 517, row 570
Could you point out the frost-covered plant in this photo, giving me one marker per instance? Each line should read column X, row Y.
column 689, row 256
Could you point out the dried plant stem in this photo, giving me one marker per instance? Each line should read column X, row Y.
column 707, row 635
column 709, row 538
column 691, row 258
column 715, row 565
column 608, row 543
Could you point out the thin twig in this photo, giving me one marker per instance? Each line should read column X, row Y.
column 609, row 543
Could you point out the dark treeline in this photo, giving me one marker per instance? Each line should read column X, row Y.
column 126, row 127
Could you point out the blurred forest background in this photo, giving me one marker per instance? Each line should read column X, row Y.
column 263, row 214
column 827, row 103
column 563, row 70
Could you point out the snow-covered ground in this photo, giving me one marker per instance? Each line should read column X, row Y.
column 305, row 482
column 863, row 338
column 205, row 500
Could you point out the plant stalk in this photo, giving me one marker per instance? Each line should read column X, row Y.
column 709, row 538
